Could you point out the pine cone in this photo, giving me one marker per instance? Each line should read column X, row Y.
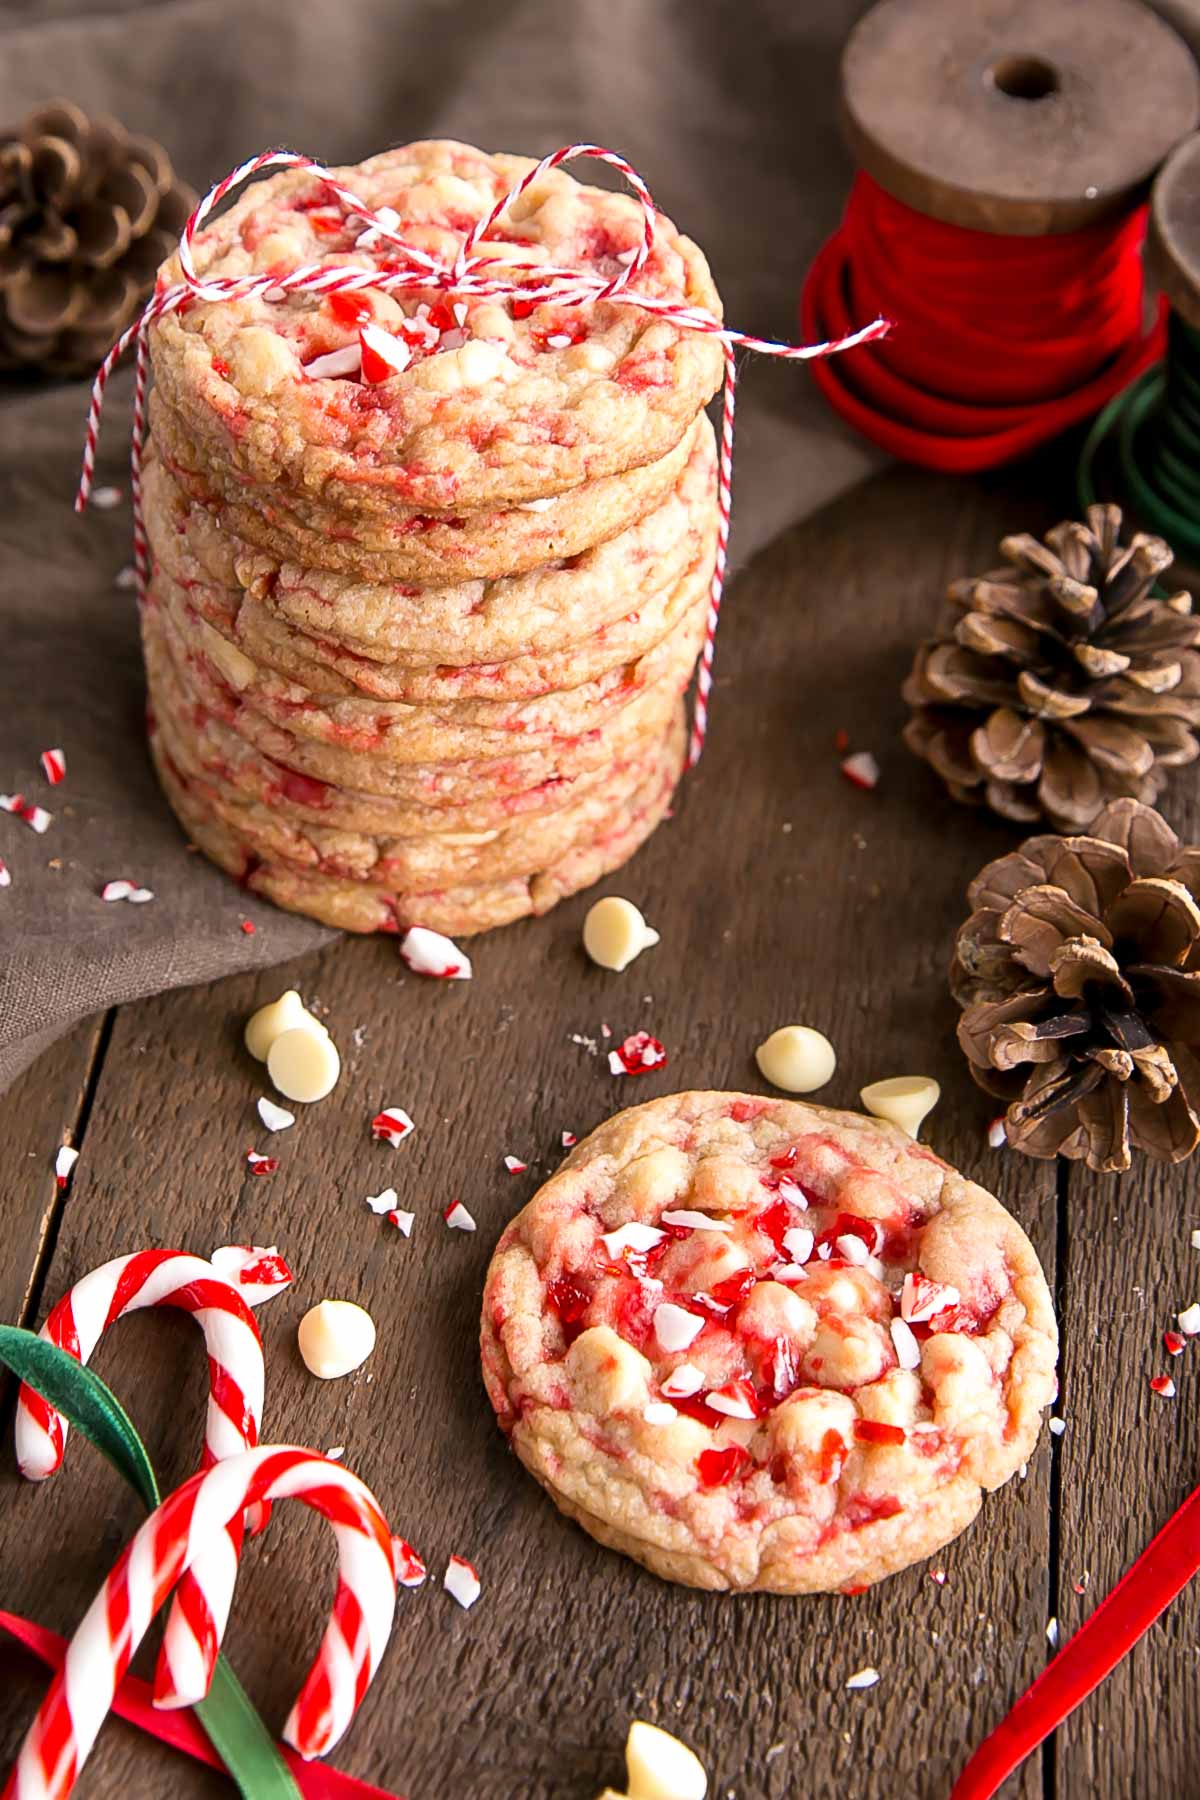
column 87, row 214
column 1078, row 973
column 1059, row 683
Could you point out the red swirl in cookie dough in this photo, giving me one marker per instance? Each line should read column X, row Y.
column 758, row 1344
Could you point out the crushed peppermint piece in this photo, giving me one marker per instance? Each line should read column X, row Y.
column 736, row 1400
column 248, row 927
column 1082, row 1582
column 683, row 1382
column 461, row 1582
column 335, row 1453
column 457, row 1217
column 587, row 1043
column 997, row 1135
column 514, row 1165
column 257, row 1274
column 798, row 1242
column 861, row 770
column 391, row 1126
column 54, row 766
column 403, row 1221
column 637, row 1055
column 5, row 877
column 382, row 354
column 429, row 953
column 793, row 1193
column 1162, row 1384
column 1173, row 1342
column 921, row 1299
column 126, row 579
column 569, row 1140
column 1058, row 1426
column 863, row 1678
column 686, row 1219
column 675, row 1327
column 1052, row 1633
column 658, row 1412
column 126, row 890
column 1188, row 1320
column 386, row 217
column 410, row 1570
column 105, row 498
column 346, row 361
column 938, row 1576
column 275, row 1118
column 791, row 1271
column 634, row 1236
column 1195, row 1240
column 36, row 817
column 904, row 1343
column 261, row 1165
column 64, row 1162
column 382, row 1202
column 536, row 506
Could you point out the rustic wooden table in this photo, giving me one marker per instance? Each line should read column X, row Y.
column 781, row 893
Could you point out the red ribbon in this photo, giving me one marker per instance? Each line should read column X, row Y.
column 133, row 1703
column 1162, row 1570
column 999, row 343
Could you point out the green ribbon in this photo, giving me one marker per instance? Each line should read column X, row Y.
column 227, row 1713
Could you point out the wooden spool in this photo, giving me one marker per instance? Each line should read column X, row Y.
column 1020, row 117
column 1173, row 238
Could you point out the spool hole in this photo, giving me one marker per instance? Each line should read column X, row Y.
column 1024, row 77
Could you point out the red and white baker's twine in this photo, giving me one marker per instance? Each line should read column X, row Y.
column 178, row 1534
column 569, row 287
column 235, row 1401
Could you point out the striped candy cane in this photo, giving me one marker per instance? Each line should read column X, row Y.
column 470, row 273
column 173, row 1540
column 235, row 1399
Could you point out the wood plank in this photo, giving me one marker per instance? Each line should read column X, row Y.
column 781, row 892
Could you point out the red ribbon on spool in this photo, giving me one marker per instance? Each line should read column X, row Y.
column 999, row 342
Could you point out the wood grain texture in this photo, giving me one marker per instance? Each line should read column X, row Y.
column 781, row 893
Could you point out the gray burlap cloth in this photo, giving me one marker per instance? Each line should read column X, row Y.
column 729, row 113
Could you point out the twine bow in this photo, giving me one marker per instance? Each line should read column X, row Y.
column 465, row 275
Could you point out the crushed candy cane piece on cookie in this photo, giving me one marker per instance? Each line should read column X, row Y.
column 634, row 1236
column 275, row 1118
column 861, row 770
column 569, row 1140
column 904, row 1342
column 382, row 354
column 1162, row 1384
column 346, row 361
column 637, row 1055
column 64, row 1163
column 126, row 890
column 798, row 1241
column 258, row 1274
column 429, row 953
column 684, row 1218
column 675, row 1327
column 54, row 766
column 514, row 1165
column 921, row 1299
column 461, row 1582
column 683, row 1382
column 1188, row 1320
column 410, row 1569
column 457, row 1217
column 862, row 1678
column 658, row 1412
column 36, row 817
column 392, row 1126
column 261, row 1165
column 736, row 1400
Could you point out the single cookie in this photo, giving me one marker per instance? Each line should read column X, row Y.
column 540, row 633
column 404, row 545
column 501, row 402
column 459, row 911
column 758, row 1344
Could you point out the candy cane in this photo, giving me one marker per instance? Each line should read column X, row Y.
column 470, row 273
column 235, row 1399
column 173, row 1540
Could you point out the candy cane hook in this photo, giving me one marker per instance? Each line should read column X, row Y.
column 173, row 1540
column 235, row 1400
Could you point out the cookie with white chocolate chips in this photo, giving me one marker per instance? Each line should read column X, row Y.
column 756, row 1344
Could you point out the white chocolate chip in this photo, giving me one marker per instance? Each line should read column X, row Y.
column 335, row 1336
column 288, row 1013
column 304, row 1065
column 797, row 1059
column 614, row 932
column 904, row 1100
column 660, row 1767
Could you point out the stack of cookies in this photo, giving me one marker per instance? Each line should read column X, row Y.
column 430, row 571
